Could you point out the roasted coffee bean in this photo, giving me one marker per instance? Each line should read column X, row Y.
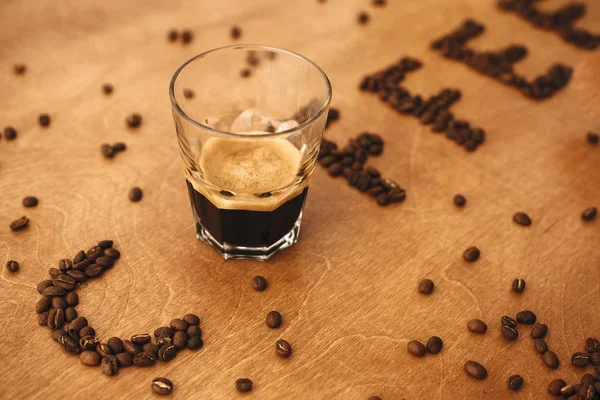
column 79, row 276
column 70, row 314
column 58, row 302
column 180, row 340
column 363, row 18
column 383, row 199
column 515, row 382
column 167, row 353
column 245, row 72
column 150, row 348
column 44, row 120
column 144, row 359
column 54, row 272
column 65, row 281
column 19, row 224
column 510, row 333
column 335, row 169
column 178, row 324
column 69, row 344
column 105, row 262
column 135, row 194
column 434, row 345
column 79, row 257
column 43, row 318
column 10, row 133
column 117, row 148
column 379, row 3
column 163, row 341
column 93, row 270
column 110, row 365
column 44, row 304
column 477, row 326
column 112, row 253
column 471, row 254
column 587, row 392
column 539, row 331
column 459, row 200
column 274, row 319
column 173, row 35
column 12, row 266
column 57, row 334
column 426, row 286
column 86, row 331
column 243, row 385
column 19, row 69
column 526, row 318
column 588, row 379
column 94, row 253
column 103, row 350
column 115, row 344
column 124, row 360
column 555, row 386
column 580, row 360
column 235, row 32
column 194, row 330
column 589, row 214
column 567, row 391
column 595, row 359
column 373, row 172
column 81, row 266
column 107, row 150
column 508, row 321
column 78, row 324
column 475, row 370
column 163, row 331
column 375, row 191
column 162, row 386
column 107, row 88
column 65, row 264
column 550, row 359
column 30, row 201
column 141, row 338
column 540, row 346
column 259, row 283
column 188, row 94
column 131, row 348
column 593, row 138
column 43, row 285
column 195, row 343
column 416, row 348
column 522, row 219
column 89, row 342
column 54, row 291
column 191, row 319
column 518, row 285
column 592, row 345
column 134, row 120
column 90, row 358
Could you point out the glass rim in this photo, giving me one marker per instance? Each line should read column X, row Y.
column 301, row 126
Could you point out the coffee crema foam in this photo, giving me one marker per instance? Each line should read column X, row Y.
column 249, row 167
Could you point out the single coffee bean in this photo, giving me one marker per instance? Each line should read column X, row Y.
column 144, row 359
column 117, row 148
column 518, row 285
column 416, row 348
column 19, row 69
column 89, row 342
column 245, row 72
column 112, row 253
column 540, row 346
column 164, row 341
column 383, row 199
column 191, row 319
column 259, row 283
column 588, row 379
column 522, row 219
column 195, row 343
column 43, row 285
column 595, row 359
column 587, row 392
column 115, row 344
column 539, row 331
column 460, row 200
column 105, row 262
column 550, row 359
column 54, row 291
column 79, row 276
column 471, row 254
column 12, row 266
column 580, row 360
column 57, row 334
column 515, row 382
column 178, row 324
column 363, row 18
column 30, row 201
column 69, row 344
column 477, row 326
column 70, row 314
column 180, row 339
column 173, row 35
column 475, row 370
column 86, row 331
column 65, row 281
column 194, row 330
column 426, row 286
column 555, row 386
column 508, row 321
column 10, row 133
column 110, row 365
column 235, row 32
column 150, row 348
column 131, row 348
column 189, row 94
column 526, row 318
column 135, row 194
column 44, row 120
column 103, row 350
column 134, row 120
column 90, row 358
column 107, row 150
column 124, row 360
column 167, row 353
column 19, row 224
column 274, row 319
column 141, row 338
column 54, row 272
column 81, row 266
column 94, row 253
column 592, row 345
column 44, row 304
column 79, row 257
column 43, row 318
column 510, row 333
column 567, row 391
column 107, row 88
column 65, row 264
column 593, row 138
column 78, row 324
column 93, row 270
column 162, row 386
column 58, row 302
column 434, row 345
column 187, row 36
column 589, row 214
column 243, row 385
column 163, row 331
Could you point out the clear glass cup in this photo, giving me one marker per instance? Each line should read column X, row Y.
column 249, row 143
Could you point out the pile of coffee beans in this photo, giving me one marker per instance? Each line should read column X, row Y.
column 433, row 111
column 499, row 64
column 591, row 356
column 588, row 388
column 349, row 162
column 110, row 151
column 57, row 310
column 561, row 21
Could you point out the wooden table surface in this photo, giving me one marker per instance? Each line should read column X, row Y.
column 348, row 289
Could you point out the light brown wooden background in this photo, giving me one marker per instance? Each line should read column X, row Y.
column 348, row 290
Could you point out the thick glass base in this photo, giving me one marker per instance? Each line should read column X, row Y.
column 229, row 251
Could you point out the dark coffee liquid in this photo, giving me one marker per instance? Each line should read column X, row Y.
column 246, row 227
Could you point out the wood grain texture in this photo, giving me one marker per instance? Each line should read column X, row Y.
column 348, row 289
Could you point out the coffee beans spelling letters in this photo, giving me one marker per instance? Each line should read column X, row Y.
column 540, row 346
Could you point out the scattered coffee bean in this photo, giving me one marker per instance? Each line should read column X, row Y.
column 283, row 348
column 588, row 379
column 245, row 72
column 475, row 370
column 243, row 385
column 550, row 359
column 19, row 224
column 539, row 331
column 259, row 283
column 12, row 266
column 180, row 339
column 580, row 360
column 555, row 386
column 141, row 339
column 589, row 214
column 115, row 344
column 119, row 147
column 592, row 345
column 460, row 200
column 43, row 285
column 44, row 120
column 434, row 345
column 107, row 89
column 515, row 382
column 10, row 133
column 274, row 319
column 107, row 150
column 540, row 346
column 44, row 304
column 508, row 321
column 124, row 360
column 471, row 254
column 416, row 348
column 89, row 342
column 134, row 120
column 110, row 365
column 595, row 359
column 162, row 386
column 195, row 343
column 191, row 319
column 187, row 36
column 135, row 194
column 90, row 358
column 194, row 330
column 477, row 326
column 593, row 138
column 167, row 353
column 522, row 219
column 19, row 69
column 144, row 359
column 173, row 35
column 379, row 3
column 30, row 201
column 54, row 291
column 112, row 253
column 70, row 313
column 363, row 18
column 510, row 333
column 236, row 32
column 87, row 331
column 526, row 317
column 426, row 286
column 178, row 324
column 518, row 285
